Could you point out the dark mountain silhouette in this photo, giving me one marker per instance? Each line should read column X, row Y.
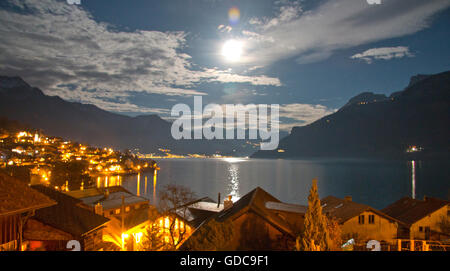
column 89, row 124
column 10, row 126
column 377, row 126
column 366, row 97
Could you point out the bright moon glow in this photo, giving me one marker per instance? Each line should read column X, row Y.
column 232, row 50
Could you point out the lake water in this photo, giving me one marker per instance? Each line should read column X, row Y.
column 376, row 183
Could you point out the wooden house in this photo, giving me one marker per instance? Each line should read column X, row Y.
column 425, row 219
column 18, row 203
column 51, row 228
column 361, row 222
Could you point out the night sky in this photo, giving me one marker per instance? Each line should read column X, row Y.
column 142, row 57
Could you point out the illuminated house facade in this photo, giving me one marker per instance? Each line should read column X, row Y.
column 362, row 222
column 422, row 217
column 176, row 225
column 128, row 214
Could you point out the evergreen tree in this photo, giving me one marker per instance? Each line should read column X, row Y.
column 315, row 236
column 153, row 239
column 335, row 233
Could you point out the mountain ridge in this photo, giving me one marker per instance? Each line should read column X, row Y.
column 418, row 115
column 90, row 124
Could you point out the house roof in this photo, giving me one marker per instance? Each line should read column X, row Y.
column 131, row 220
column 197, row 211
column 255, row 201
column 286, row 207
column 93, row 196
column 206, row 206
column 92, row 192
column 136, row 217
column 410, row 210
column 17, row 197
column 114, row 200
column 67, row 215
column 344, row 210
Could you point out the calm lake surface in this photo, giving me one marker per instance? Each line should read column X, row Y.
column 376, row 183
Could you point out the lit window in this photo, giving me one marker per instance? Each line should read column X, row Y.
column 166, row 223
column 127, row 209
column 117, row 211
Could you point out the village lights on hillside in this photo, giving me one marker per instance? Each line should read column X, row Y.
column 414, row 149
column 23, row 134
column 115, row 168
column 18, row 150
column 37, row 138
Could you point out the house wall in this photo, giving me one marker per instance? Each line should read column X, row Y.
column 251, row 232
column 127, row 208
column 36, row 230
column 382, row 229
column 432, row 220
column 93, row 241
column 44, row 237
column 8, row 228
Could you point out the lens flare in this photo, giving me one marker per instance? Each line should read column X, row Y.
column 233, row 15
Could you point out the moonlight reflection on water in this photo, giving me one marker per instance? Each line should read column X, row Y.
column 372, row 182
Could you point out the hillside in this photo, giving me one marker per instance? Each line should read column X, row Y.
column 89, row 124
column 372, row 125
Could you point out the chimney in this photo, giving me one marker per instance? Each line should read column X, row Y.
column 98, row 208
column 348, row 198
column 227, row 203
column 218, row 200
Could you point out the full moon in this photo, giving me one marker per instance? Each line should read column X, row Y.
column 232, row 50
